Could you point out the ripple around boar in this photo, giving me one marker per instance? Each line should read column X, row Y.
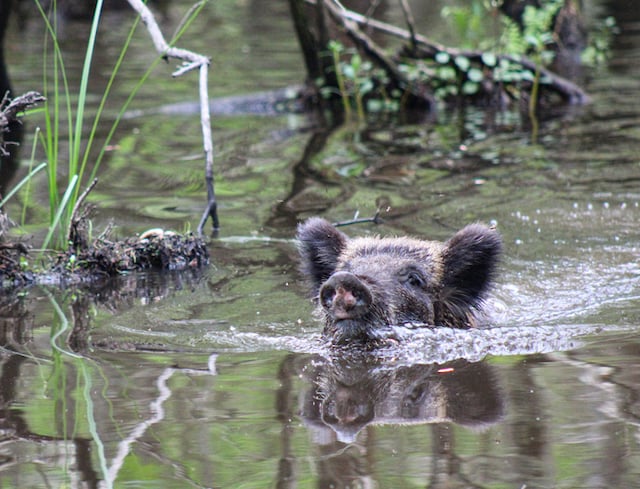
column 364, row 285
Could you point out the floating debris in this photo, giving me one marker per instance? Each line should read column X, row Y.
column 154, row 249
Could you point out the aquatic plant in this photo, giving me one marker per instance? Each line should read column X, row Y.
column 65, row 108
column 50, row 138
column 354, row 77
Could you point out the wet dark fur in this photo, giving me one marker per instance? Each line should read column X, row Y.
column 396, row 280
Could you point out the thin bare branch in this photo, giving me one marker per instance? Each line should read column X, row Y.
column 191, row 61
column 156, row 414
column 408, row 17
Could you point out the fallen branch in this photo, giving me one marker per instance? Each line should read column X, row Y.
column 421, row 47
column 191, row 61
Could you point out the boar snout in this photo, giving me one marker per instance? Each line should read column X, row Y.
column 345, row 296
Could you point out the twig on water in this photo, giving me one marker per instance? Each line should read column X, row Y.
column 376, row 219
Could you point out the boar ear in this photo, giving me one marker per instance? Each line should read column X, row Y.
column 319, row 244
column 470, row 259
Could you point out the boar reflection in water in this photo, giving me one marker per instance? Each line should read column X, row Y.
column 366, row 284
column 348, row 394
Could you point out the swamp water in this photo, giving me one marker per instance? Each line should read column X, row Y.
column 219, row 379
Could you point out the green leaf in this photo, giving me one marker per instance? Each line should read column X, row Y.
column 366, row 86
column 446, row 73
column 348, row 71
column 442, row 57
column 462, row 62
column 527, row 75
column 489, row 59
column 470, row 88
column 356, row 62
column 335, row 46
column 475, row 75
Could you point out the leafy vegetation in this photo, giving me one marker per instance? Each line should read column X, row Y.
column 499, row 59
column 598, row 50
column 536, row 37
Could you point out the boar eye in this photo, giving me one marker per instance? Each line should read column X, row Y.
column 414, row 278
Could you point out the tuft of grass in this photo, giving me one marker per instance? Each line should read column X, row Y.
column 60, row 209
column 60, row 111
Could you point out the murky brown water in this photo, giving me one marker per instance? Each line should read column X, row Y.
column 219, row 379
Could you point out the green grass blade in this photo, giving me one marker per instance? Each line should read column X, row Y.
column 50, row 141
column 61, row 208
column 27, row 192
column 84, row 83
column 22, row 182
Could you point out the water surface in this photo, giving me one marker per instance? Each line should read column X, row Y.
column 220, row 378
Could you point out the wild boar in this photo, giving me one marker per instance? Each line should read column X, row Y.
column 366, row 284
